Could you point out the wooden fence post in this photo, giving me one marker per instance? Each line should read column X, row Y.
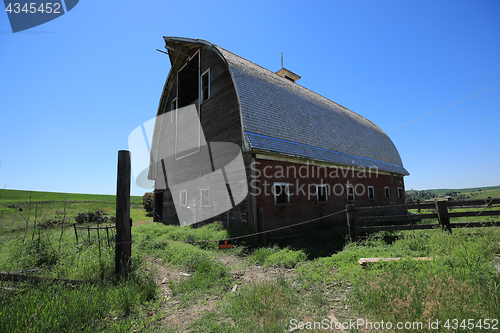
column 107, row 234
column 443, row 217
column 351, row 223
column 76, row 233
column 123, row 247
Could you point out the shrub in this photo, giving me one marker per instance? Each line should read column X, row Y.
column 147, row 202
column 274, row 256
column 40, row 253
column 93, row 217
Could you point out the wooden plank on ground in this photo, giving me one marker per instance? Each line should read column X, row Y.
column 366, row 261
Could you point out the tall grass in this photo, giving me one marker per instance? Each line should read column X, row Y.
column 64, row 308
column 275, row 256
column 461, row 282
column 104, row 303
column 208, row 274
column 264, row 307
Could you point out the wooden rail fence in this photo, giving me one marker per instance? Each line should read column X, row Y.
column 379, row 218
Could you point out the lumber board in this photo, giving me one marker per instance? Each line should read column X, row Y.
column 389, row 218
column 475, row 224
column 365, row 261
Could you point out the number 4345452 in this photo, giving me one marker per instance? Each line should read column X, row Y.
column 47, row 8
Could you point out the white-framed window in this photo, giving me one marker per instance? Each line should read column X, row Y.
column 205, row 197
column 281, row 193
column 387, row 192
column 173, row 110
column 322, row 193
column 400, row 192
column 350, row 193
column 183, row 197
column 205, row 85
column 371, row 193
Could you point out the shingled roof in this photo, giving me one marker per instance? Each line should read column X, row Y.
column 282, row 117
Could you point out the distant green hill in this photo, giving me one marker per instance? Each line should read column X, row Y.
column 20, row 195
column 463, row 193
column 53, row 207
column 464, row 190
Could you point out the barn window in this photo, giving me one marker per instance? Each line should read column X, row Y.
column 400, row 192
column 205, row 86
column 371, row 193
column 205, row 198
column 281, row 193
column 350, row 193
column 188, row 82
column 387, row 192
column 321, row 193
column 183, row 197
column 173, row 108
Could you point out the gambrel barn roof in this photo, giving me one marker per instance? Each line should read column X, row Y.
column 280, row 117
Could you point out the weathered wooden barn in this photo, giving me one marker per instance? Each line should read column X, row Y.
column 305, row 156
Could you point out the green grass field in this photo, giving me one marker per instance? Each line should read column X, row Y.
column 52, row 206
column 182, row 283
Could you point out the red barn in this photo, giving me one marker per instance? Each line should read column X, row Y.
column 305, row 156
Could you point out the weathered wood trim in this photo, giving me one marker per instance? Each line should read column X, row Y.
column 314, row 162
column 475, row 202
column 397, row 227
column 253, row 198
column 475, row 224
column 391, row 218
column 468, row 214
column 441, row 214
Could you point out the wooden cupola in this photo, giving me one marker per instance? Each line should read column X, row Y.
column 288, row 74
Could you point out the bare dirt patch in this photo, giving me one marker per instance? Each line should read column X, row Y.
column 179, row 315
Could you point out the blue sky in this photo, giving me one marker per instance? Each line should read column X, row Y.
column 73, row 89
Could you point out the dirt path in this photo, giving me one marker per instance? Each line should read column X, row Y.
column 179, row 315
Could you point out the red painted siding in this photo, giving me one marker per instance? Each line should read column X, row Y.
column 303, row 179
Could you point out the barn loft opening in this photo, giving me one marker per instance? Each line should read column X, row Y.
column 188, row 83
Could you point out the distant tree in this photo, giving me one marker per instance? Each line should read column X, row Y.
column 147, row 201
